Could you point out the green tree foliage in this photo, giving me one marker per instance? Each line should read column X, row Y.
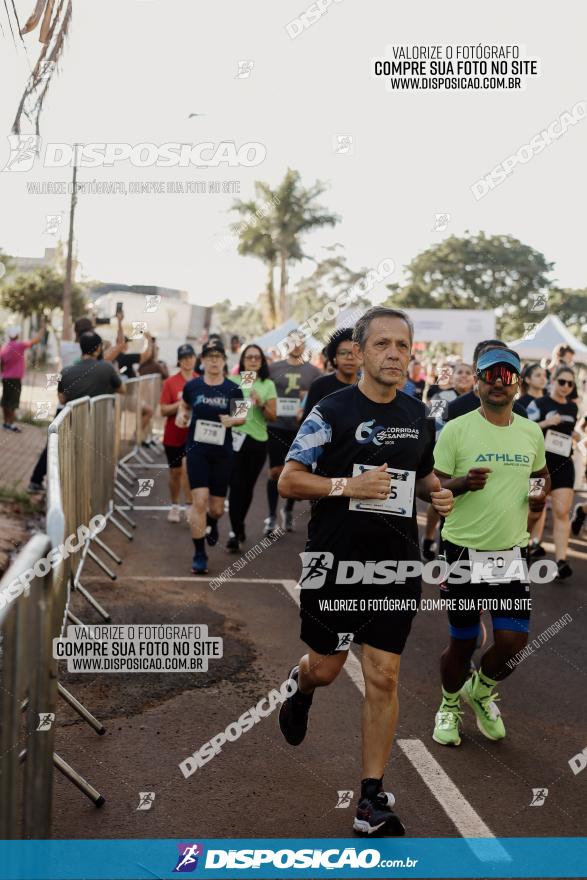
column 477, row 272
column 330, row 277
column 39, row 293
column 272, row 228
column 244, row 320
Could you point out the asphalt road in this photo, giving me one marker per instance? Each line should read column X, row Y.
column 258, row 786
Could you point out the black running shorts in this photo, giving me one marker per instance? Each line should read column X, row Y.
column 175, row 455
column 209, row 470
column 561, row 471
column 382, row 619
column 11, row 389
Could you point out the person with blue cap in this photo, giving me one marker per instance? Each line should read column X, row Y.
column 493, row 461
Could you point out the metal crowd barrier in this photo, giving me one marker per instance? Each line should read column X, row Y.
column 89, row 443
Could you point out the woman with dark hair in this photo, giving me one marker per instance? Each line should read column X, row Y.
column 532, row 384
column 533, row 381
column 250, row 439
column 556, row 415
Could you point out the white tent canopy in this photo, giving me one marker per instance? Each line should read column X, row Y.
column 466, row 326
column 273, row 338
column 546, row 336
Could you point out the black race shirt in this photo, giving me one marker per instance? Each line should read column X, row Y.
column 320, row 388
column 530, row 404
column 209, row 402
column 348, row 428
column 466, row 403
column 546, row 407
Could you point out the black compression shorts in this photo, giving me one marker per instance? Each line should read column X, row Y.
column 508, row 603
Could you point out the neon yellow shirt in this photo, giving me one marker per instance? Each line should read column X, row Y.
column 495, row 517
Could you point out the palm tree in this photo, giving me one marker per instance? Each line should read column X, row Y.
column 275, row 223
column 257, row 241
column 297, row 212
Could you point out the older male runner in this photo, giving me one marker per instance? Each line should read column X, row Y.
column 362, row 457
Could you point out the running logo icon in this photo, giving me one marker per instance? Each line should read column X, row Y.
column 344, row 642
column 152, row 301
column 315, row 567
column 441, row 222
column 538, row 301
column 539, row 795
column 240, row 408
column 146, row 799
column 52, row 223
column 24, row 148
column 139, row 328
column 344, row 800
column 438, row 408
column 145, row 487
column 46, row 719
column 187, row 860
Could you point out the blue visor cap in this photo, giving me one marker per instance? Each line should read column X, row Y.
column 499, row 356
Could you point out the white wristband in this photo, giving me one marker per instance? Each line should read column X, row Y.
column 338, row 485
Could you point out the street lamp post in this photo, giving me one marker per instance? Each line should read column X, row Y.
column 67, row 333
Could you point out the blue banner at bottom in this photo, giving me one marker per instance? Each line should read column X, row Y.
column 286, row 857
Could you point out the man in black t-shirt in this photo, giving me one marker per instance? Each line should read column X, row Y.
column 92, row 376
column 362, row 457
column 466, row 403
column 341, row 355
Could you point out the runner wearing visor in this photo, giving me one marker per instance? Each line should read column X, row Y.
column 488, row 458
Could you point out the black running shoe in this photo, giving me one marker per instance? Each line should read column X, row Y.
column 211, row 531
column 578, row 520
column 429, row 549
column 536, row 551
column 293, row 714
column 232, row 544
column 564, row 570
column 375, row 814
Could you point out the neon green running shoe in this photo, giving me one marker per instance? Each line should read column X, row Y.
column 447, row 723
column 483, row 700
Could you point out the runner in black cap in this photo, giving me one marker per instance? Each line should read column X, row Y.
column 210, row 401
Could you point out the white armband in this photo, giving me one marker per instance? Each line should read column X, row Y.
column 338, row 485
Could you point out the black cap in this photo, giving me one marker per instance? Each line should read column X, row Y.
column 185, row 350
column 89, row 342
column 213, row 345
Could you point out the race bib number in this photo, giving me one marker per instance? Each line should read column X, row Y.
column 209, row 432
column 287, row 406
column 497, row 566
column 558, row 443
column 400, row 501
column 238, row 438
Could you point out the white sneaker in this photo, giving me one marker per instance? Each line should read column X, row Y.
column 173, row 515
